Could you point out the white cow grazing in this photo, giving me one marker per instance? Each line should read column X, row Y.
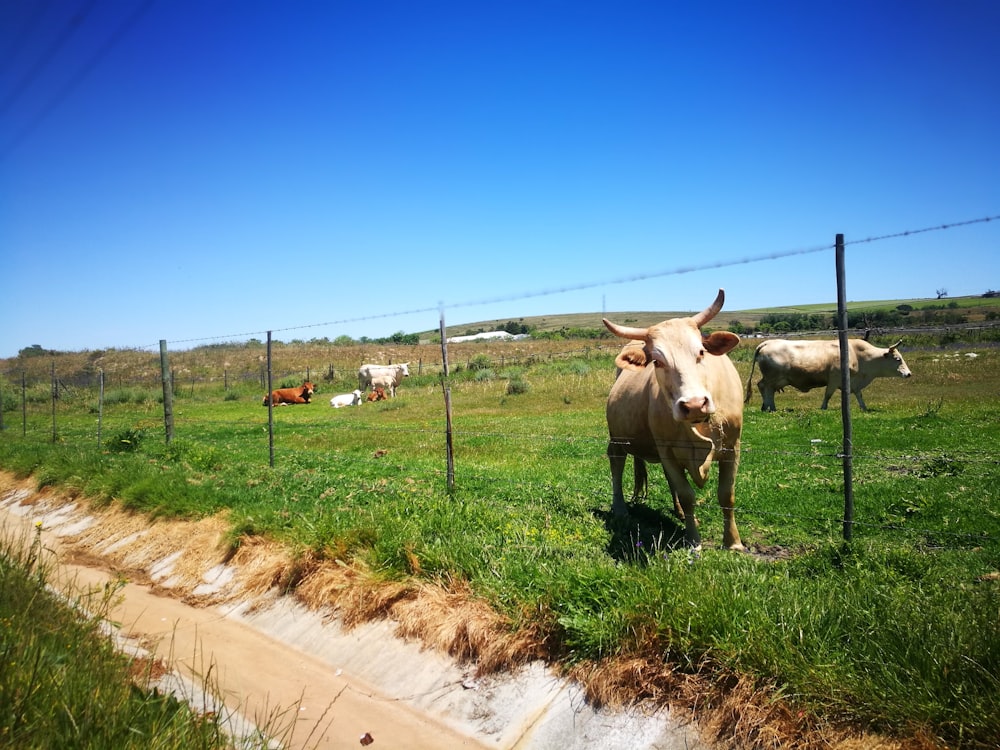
column 805, row 365
column 346, row 399
column 389, row 376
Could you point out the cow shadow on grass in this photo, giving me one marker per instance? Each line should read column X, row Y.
column 643, row 533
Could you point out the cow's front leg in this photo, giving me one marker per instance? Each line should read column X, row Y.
column 830, row 389
column 861, row 401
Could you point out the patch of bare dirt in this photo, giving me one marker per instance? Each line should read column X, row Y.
column 262, row 680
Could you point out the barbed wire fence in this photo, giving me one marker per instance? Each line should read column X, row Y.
column 588, row 447
column 582, row 453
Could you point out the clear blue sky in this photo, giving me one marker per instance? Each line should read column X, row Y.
column 207, row 171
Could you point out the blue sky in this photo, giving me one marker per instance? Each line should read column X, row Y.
column 207, row 171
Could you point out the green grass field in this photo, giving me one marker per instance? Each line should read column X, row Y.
column 897, row 632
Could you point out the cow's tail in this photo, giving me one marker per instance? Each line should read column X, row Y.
column 753, row 364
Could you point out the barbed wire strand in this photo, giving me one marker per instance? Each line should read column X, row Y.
column 593, row 284
column 349, row 461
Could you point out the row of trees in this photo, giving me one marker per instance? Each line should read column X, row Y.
column 901, row 315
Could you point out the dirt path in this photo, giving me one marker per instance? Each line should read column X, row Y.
column 276, row 662
column 257, row 676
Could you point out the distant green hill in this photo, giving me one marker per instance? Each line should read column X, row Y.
column 976, row 308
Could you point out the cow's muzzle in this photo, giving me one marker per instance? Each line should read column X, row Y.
column 695, row 409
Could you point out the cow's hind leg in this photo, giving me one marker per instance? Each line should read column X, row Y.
column 677, row 504
column 766, row 396
column 641, row 487
column 727, row 500
column 616, row 458
column 684, row 496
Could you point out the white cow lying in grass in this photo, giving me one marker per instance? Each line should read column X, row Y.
column 346, row 399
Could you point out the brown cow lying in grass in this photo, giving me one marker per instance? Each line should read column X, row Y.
column 377, row 394
column 300, row 395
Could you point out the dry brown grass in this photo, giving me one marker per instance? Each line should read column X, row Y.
column 239, row 361
column 733, row 712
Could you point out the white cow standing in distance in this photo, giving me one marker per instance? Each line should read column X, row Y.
column 388, row 376
column 346, row 399
column 805, row 365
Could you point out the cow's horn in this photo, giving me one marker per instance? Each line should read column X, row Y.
column 625, row 332
column 711, row 311
column 896, row 345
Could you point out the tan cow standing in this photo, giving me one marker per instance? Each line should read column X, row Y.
column 678, row 401
column 805, row 365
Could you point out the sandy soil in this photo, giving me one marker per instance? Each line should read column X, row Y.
column 290, row 662
column 257, row 676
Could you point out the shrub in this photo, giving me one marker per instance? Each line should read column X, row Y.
column 517, row 385
column 125, row 441
column 480, row 362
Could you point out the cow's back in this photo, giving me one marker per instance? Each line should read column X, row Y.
column 804, row 365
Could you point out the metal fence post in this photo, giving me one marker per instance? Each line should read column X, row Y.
column 168, row 392
column 55, row 395
column 845, row 392
column 449, row 441
column 270, row 406
column 100, row 407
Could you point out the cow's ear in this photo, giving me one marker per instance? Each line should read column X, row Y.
column 720, row 342
column 632, row 358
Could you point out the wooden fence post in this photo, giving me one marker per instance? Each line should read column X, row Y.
column 845, row 392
